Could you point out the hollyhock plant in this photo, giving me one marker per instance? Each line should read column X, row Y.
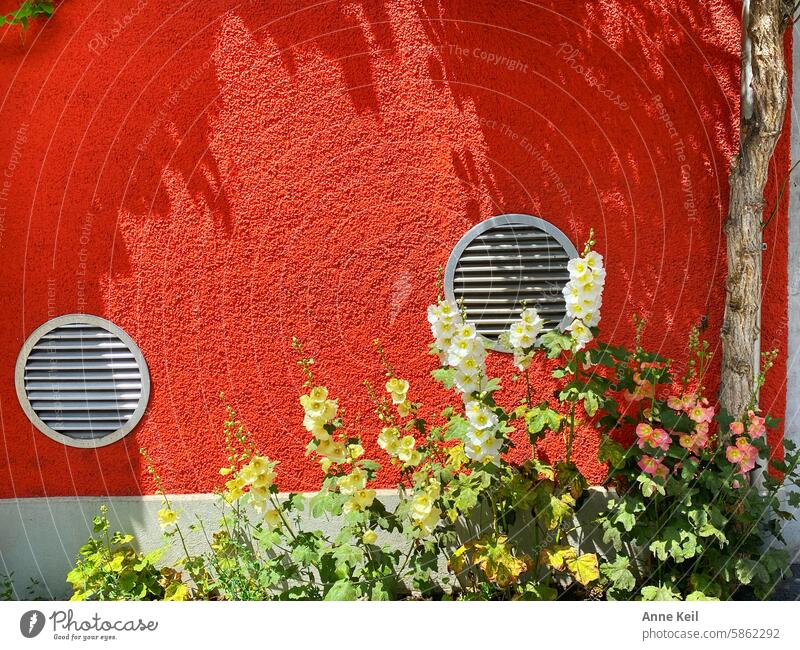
column 461, row 349
column 679, row 517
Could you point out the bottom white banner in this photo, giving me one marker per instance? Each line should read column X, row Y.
column 386, row 626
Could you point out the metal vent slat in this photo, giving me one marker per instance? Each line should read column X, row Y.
column 84, row 429
column 507, row 279
column 89, row 344
column 88, row 355
column 510, row 258
column 111, row 405
column 84, row 417
column 88, row 365
column 510, row 261
column 83, row 381
column 56, row 374
column 91, row 396
column 82, row 386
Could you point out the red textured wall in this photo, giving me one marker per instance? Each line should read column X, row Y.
column 217, row 176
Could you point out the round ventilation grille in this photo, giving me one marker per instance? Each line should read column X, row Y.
column 505, row 263
column 82, row 381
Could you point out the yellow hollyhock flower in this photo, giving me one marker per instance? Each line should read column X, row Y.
column 167, row 517
column 273, row 519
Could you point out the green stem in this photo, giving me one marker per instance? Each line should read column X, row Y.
column 283, row 519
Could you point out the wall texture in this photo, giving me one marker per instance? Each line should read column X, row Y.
column 217, row 176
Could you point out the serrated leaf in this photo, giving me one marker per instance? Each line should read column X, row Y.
column 446, row 376
column 618, row 574
column 584, row 568
column 556, row 557
column 661, row 592
column 611, row 451
column 342, row 590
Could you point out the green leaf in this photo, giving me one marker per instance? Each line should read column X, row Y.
column 467, row 499
column 611, row 451
column 342, row 590
column 662, row 592
column 590, row 404
column 708, row 530
column 540, row 419
column 649, row 486
column 369, row 465
column 298, row 502
column 539, row 591
column 318, row 504
column 699, row 595
column 618, row 574
column 555, row 342
column 457, row 428
column 612, row 536
column 446, row 376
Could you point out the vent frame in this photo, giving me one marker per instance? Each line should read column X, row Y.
column 525, row 221
column 117, row 333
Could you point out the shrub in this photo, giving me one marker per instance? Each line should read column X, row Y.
column 684, row 522
column 111, row 569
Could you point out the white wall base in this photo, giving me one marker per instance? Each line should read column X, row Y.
column 40, row 537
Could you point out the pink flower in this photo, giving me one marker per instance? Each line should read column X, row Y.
column 700, row 438
column 675, row 403
column 699, row 413
column 734, row 454
column 696, row 441
column 653, row 466
column 654, row 438
column 742, row 454
column 737, row 428
column 757, row 427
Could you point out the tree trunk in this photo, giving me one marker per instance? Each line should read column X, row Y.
column 759, row 131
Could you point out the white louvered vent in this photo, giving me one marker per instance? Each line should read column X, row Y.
column 82, row 380
column 504, row 263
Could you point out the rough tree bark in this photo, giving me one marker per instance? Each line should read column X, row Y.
column 759, row 132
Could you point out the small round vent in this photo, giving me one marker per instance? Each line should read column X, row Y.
column 504, row 263
column 82, row 381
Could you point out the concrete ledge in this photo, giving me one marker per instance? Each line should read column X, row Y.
column 40, row 537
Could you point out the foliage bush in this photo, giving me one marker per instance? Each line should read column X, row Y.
column 685, row 519
column 111, row 569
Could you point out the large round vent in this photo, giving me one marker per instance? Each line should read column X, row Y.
column 82, row 381
column 505, row 263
